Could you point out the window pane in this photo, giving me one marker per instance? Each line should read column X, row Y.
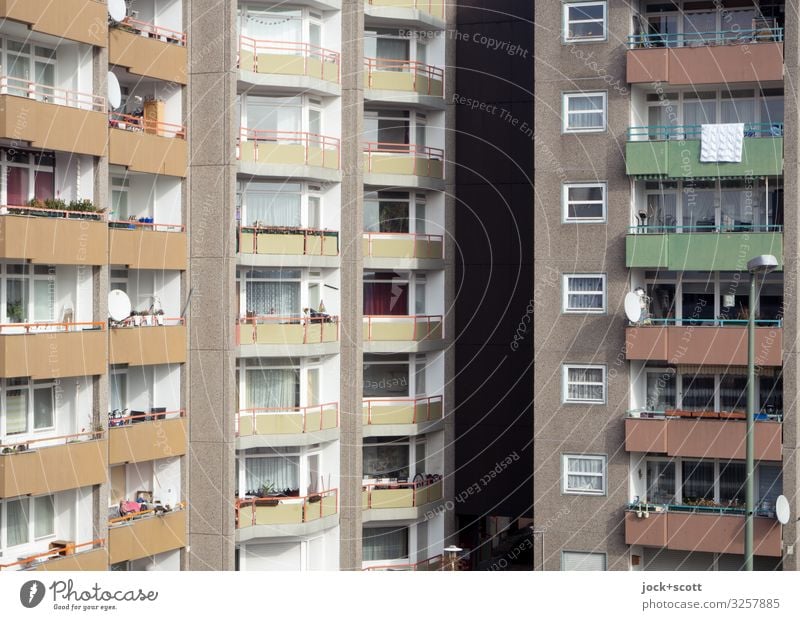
column 573, row 560
column 17, row 192
column 43, row 516
column 385, row 543
column 698, row 393
column 698, row 481
column 385, row 380
column 585, row 474
column 17, row 527
column 43, row 299
column 660, row 482
column 585, row 384
column 661, row 391
column 585, row 293
column 731, row 484
column 16, row 411
column 733, row 393
column 386, row 461
column 43, row 405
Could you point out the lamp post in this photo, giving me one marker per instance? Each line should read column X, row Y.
column 452, row 555
column 760, row 265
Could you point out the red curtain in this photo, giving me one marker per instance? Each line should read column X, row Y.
column 43, row 185
column 385, row 298
column 16, row 186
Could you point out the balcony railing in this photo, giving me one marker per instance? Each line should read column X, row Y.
column 266, row 56
column 168, row 35
column 50, row 94
column 402, row 410
column 288, row 147
column 288, row 240
column 147, row 320
column 432, row 7
column 387, row 494
column 708, row 508
column 403, row 245
column 42, row 328
column 274, row 329
column 394, row 158
column 695, row 39
column 431, row 564
column 400, row 327
column 130, row 122
column 719, row 322
column 286, row 420
column 72, row 550
column 138, row 224
column 146, row 514
column 58, row 213
column 659, row 229
column 419, row 77
column 693, row 132
column 22, row 445
column 665, row 414
column 126, row 417
column 285, row 510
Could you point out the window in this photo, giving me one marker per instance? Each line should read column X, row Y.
column 581, row 560
column 386, row 376
column 27, row 293
column 584, row 112
column 584, row 21
column 271, row 384
column 583, row 474
column 584, row 293
column 385, row 543
column 584, row 202
column 584, row 384
column 272, row 292
column 28, row 406
column 387, row 457
column 28, row 519
column 386, row 293
column 26, row 175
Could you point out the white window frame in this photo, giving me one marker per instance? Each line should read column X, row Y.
column 566, row 38
column 29, row 503
column 565, row 99
column 565, row 458
column 565, row 203
column 565, row 293
column 565, row 368
column 584, row 553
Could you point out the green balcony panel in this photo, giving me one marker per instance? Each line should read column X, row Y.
column 679, row 159
column 709, row 251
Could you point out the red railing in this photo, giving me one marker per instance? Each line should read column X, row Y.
column 413, row 67
column 53, row 554
column 420, row 5
column 33, row 328
column 271, row 138
column 150, row 320
column 422, row 565
column 132, row 224
column 409, row 150
column 391, row 402
column 289, row 48
column 308, row 501
column 150, row 512
column 414, row 237
column 393, row 486
column 308, row 233
column 129, row 122
column 304, row 411
column 156, row 32
column 391, row 318
column 95, row 215
column 153, row 416
column 327, row 322
column 50, row 94
column 60, row 440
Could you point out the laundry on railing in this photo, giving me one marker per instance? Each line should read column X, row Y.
column 721, row 142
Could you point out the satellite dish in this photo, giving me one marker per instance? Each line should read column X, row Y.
column 114, row 91
column 119, row 305
column 782, row 509
column 633, row 307
column 117, row 10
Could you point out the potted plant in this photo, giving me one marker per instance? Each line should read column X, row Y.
column 15, row 313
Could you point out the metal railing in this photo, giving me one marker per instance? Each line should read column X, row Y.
column 654, row 507
column 148, row 320
column 705, row 228
column 61, row 213
column 269, row 137
column 49, row 328
column 699, row 39
column 126, row 417
column 145, row 514
column 129, row 122
column 307, row 233
column 413, row 402
column 154, row 226
column 307, row 51
column 312, row 504
column 693, row 132
column 24, row 445
column 255, row 412
column 417, row 319
column 50, row 94
column 671, row 414
column 398, row 486
column 428, row 6
column 417, row 69
column 325, row 322
column 718, row 322
column 167, row 35
column 436, row 563
column 413, row 237
column 56, row 553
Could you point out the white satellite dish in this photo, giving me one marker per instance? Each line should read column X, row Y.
column 114, row 91
column 117, row 10
column 782, row 509
column 633, row 307
column 119, row 305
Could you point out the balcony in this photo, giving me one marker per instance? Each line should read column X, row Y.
column 403, row 80
column 295, row 242
column 38, row 466
column 418, row 11
column 296, row 335
column 393, row 411
column 710, row 530
column 289, row 62
column 657, row 247
column 674, row 153
column 287, row 426
column 89, row 556
column 145, row 534
column 51, row 118
column 286, row 516
column 288, row 153
column 144, row 145
column 705, row 434
column 84, row 21
column 436, row 563
column 149, row 50
column 53, row 237
column 390, row 333
column 403, row 165
column 398, row 500
column 160, row 341
column 52, row 350
column 383, row 249
column 720, row 342
column 143, row 436
column 706, row 57
column 139, row 245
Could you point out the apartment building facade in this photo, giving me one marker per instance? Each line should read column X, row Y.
column 639, row 425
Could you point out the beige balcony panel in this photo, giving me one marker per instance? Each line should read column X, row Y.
column 147, row 536
column 392, row 498
column 147, row 441
column 54, row 240
column 94, row 560
column 49, row 355
column 85, row 21
column 145, row 152
column 147, row 249
column 402, row 164
column 147, row 56
column 143, row 346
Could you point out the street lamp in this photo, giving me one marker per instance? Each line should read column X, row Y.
column 452, row 555
column 760, row 265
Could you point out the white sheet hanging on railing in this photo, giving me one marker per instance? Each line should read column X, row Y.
column 721, row 142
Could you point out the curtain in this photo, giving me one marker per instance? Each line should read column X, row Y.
column 44, row 300
column 43, row 185
column 279, row 298
column 662, row 211
column 585, row 111
column 16, row 411
column 272, row 389
column 274, row 113
column 44, row 514
column 393, row 50
column 698, row 393
column 385, row 298
column 385, row 380
column 661, row 391
column 698, row 480
column 16, row 522
column 118, row 389
column 16, row 186
column 660, row 482
column 733, row 393
column 770, row 484
column 584, row 474
column 699, row 112
column 281, row 472
column 731, row 483
column 699, row 209
column 585, row 384
column 585, row 293
column 273, row 209
column 741, row 209
column 698, row 28
column 738, row 111
column 275, row 25
column 385, row 543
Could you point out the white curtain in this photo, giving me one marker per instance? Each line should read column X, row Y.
column 16, row 522
column 699, row 209
column 274, row 25
column 585, row 111
column 44, row 514
column 272, row 388
column 281, row 472
column 385, row 543
column 16, row 411
column 585, row 383
column 660, row 391
column 660, row 482
column 273, row 209
column 279, row 298
column 738, row 111
column 274, row 113
column 585, row 293
column 584, row 474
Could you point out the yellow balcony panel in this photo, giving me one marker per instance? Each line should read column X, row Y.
column 69, row 462
column 84, row 21
column 141, row 151
column 393, row 495
column 435, row 8
column 146, row 535
column 139, row 247
column 57, row 240
column 309, row 419
column 404, row 76
column 288, row 58
column 150, row 344
column 287, row 330
column 89, row 556
column 286, row 510
column 47, row 350
column 402, row 411
column 404, row 163
column 291, row 242
column 403, row 245
column 138, row 438
column 290, row 149
column 152, row 53
column 49, row 125
column 402, row 328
